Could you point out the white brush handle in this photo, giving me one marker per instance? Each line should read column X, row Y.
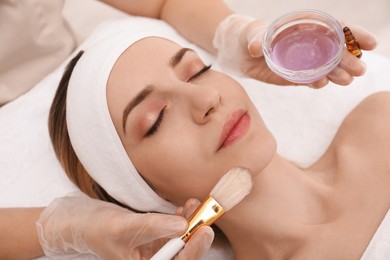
column 169, row 250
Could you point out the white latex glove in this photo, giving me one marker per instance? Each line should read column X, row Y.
column 238, row 40
column 78, row 226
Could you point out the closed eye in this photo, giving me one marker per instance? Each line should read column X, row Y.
column 203, row 70
column 153, row 129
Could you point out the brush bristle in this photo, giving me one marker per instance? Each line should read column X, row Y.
column 232, row 187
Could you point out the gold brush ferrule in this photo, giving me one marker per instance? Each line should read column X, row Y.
column 207, row 213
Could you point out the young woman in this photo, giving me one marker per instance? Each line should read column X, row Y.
column 167, row 127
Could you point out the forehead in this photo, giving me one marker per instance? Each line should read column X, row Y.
column 137, row 62
column 150, row 49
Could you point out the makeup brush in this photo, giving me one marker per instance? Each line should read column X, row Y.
column 228, row 192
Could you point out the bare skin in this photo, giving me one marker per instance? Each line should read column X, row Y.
column 18, row 237
column 341, row 199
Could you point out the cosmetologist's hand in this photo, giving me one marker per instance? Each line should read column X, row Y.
column 238, row 40
column 77, row 225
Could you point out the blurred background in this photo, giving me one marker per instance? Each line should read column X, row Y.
column 374, row 15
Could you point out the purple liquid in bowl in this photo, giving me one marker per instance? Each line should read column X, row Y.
column 303, row 47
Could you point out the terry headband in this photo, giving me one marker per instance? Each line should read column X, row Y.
column 92, row 132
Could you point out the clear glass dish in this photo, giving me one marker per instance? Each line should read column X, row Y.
column 303, row 46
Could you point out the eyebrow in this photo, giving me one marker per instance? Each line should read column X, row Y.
column 179, row 56
column 143, row 94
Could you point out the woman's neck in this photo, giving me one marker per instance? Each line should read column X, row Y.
column 284, row 201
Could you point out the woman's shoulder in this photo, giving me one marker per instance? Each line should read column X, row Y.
column 367, row 126
column 365, row 130
column 370, row 115
column 377, row 103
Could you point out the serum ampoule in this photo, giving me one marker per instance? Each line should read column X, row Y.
column 352, row 44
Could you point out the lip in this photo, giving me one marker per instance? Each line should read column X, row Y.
column 235, row 127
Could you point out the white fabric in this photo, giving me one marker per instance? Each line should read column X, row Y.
column 30, row 174
column 379, row 247
column 303, row 121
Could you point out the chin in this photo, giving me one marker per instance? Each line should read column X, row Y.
column 255, row 151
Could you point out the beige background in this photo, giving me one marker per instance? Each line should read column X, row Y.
column 373, row 15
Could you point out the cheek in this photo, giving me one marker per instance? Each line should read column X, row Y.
column 175, row 168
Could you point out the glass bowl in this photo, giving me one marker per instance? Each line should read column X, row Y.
column 304, row 45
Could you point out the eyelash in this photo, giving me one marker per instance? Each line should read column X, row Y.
column 153, row 129
column 203, row 70
column 156, row 124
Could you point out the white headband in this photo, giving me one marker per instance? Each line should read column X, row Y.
column 92, row 132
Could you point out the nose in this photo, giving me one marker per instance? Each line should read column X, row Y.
column 204, row 101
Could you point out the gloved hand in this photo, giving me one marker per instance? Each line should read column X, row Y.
column 238, row 40
column 80, row 226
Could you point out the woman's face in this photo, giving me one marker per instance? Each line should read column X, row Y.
column 183, row 125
